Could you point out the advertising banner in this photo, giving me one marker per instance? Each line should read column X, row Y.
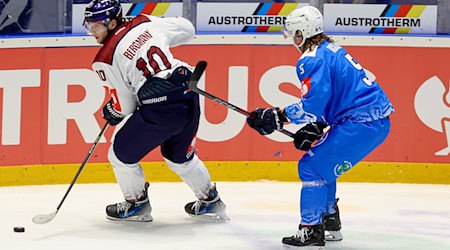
column 50, row 107
column 130, row 10
column 380, row 18
column 243, row 17
column 229, row 17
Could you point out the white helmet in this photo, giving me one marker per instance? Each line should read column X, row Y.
column 308, row 20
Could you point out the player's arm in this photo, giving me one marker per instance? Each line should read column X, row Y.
column 316, row 93
column 122, row 101
column 314, row 75
column 178, row 30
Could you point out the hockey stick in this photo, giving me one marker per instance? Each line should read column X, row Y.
column 45, row 218
column 198, row 72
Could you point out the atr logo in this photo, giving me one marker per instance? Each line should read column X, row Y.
column 339, row 169
column 432, row 105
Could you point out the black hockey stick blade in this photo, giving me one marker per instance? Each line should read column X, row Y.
column 198, row 72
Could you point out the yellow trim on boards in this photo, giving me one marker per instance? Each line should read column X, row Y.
column 235, row 171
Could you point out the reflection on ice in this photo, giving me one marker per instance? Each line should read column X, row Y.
column 374, row 216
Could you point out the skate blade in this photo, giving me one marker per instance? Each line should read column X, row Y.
column 147, row 218
column 221, row 217
column 333, row 236
column 304, row 247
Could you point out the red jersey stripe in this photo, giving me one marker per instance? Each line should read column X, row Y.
column 106, row 53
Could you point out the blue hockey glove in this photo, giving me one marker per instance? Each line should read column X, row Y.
column 307, row 135
column 111, row 115
column 265, row 121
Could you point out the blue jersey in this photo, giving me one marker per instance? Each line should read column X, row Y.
column 335, row 88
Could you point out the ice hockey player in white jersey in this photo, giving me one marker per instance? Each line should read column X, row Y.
column 150, row 86
column 336, row 96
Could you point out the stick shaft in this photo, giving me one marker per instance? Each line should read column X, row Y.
column 198, row 72
column 82, row 165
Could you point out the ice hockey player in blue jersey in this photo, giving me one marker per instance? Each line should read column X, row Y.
column 344, row 113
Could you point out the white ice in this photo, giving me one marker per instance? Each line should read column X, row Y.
column 374, row 216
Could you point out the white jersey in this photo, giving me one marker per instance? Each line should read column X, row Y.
column 137, row 50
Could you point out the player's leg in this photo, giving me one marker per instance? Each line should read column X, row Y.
column 146, row 129
column 179, row 153
column 331, row 219
column 312, row 205
column 131, row 180
column 344, row 146
column 209, row 206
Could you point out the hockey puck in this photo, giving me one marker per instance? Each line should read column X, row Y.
column 19, row 229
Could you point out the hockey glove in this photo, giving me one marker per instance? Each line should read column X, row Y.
column 265, row 121
column 111, row 115
column 307, row 135
column 180, row 76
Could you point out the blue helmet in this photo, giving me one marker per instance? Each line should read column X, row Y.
column 103, row 10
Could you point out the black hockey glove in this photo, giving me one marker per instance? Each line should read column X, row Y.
column 307, row 135
column 111, row 115
column 265, row 121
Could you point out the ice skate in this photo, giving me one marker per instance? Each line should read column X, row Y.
column 332, row 224
column 131, row 211
column 308, row 237
column 212, row 209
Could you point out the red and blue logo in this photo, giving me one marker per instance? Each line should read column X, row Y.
column 265, row 15
column 400, row 19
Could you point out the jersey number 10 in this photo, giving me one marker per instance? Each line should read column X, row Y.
column 141, row 64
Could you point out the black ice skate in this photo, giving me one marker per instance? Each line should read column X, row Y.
column 332, row 224
column 211, row 209
column 308, row 237
column 131, row 211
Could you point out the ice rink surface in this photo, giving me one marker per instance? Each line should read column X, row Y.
column 374, row 216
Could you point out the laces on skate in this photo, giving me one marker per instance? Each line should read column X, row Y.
column 307, row 237
column 131, row 210
column 211, row 209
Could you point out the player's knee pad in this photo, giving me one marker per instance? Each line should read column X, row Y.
column 116, row 162
column 194, row 174
column 314, row 183
column 307, row 172
column 185, row 167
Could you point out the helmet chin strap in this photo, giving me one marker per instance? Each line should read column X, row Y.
column 298, row 47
